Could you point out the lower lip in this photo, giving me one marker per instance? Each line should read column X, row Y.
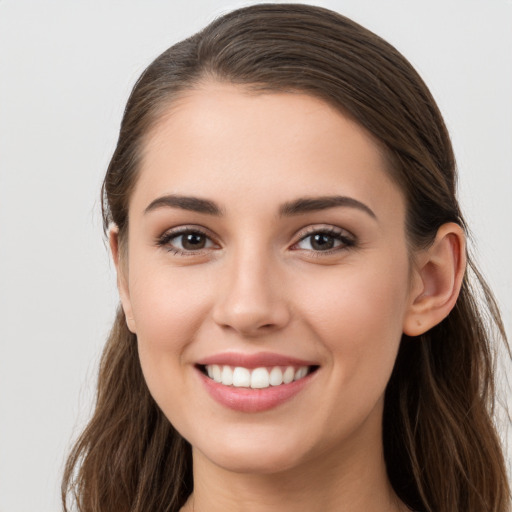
column 253, row 400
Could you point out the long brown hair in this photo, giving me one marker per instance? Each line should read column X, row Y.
column 441, row 448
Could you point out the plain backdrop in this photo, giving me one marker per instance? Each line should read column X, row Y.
column 66, row 69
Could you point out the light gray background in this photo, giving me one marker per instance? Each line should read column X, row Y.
column 66, row 69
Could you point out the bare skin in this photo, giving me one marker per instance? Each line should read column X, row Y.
column 334, row 285
column 300, row 491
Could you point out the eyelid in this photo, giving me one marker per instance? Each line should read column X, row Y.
column 347, row 238
column 324, row 228
column 164, row 239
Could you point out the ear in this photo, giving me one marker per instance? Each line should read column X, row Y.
column 437, row 279
column 122, row 277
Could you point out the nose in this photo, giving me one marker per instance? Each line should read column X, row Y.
column 252, row 298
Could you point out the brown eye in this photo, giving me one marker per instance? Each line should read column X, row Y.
column 322, row 241
column 186, row 241
column 193, row 241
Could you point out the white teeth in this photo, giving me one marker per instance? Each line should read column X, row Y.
column 216, row 373
column 227, row 375
column 258, row 378
column 241, row 377
column 300, row 373
column 276, row 376
column 288, row 375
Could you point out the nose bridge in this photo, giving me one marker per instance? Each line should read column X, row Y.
column 252, row 301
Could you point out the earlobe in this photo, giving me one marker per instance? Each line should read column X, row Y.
column 122, row 278
column 439, row 275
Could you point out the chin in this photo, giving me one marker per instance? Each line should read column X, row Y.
column 255, row 463
column 257, row 454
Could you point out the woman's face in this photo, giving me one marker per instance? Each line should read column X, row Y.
column 266, row 242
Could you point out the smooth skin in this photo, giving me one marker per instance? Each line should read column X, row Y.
column 335, row 285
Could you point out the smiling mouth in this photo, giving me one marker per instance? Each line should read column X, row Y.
column 255, row 378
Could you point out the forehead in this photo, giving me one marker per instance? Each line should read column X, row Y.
column 224, row 141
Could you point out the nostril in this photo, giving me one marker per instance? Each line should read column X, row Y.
column 250, row 309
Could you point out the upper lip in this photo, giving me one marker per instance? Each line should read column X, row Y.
column 258, row 360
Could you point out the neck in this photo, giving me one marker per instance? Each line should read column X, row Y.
column 348, row 480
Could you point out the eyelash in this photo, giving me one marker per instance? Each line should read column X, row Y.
column 347, row 240
column 165, row 239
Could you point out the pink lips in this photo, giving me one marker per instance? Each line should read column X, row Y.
column 253, row 400
column 262, row 359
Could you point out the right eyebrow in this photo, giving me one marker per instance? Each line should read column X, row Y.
column 314, row 204
column 194, row 204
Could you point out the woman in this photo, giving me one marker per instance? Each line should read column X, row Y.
column 298, row 330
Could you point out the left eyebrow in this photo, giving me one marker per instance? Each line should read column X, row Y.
column 313, row 204
column 190, row 203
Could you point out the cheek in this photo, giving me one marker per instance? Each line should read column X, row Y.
column 168, row 306
column 357, row 320
column 358, row 315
